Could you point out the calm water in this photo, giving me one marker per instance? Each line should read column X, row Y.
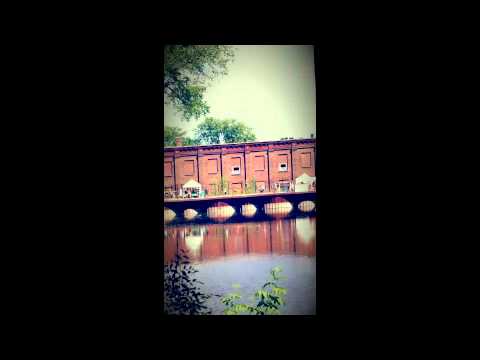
column 243, row 253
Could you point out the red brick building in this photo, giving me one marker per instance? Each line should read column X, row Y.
column 269, row 162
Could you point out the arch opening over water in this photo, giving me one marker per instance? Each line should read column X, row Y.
column 190, row 214
column 220, row 211
column 168, row 215
column 306, row 206
column 278, row 207
column 249, row 210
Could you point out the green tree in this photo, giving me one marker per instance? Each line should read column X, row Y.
column 187, row 72
column 211, row 130
column 191, row 141
column 170, row 134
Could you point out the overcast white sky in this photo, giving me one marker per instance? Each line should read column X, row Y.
column 269, row 88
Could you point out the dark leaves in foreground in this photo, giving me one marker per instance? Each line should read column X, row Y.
column 181, row 294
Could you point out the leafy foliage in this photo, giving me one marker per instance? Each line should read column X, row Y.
column 191, row 141
column 270, row 298
column 172, row 132
column 211, row 130
column 251, row 186
column 223, row 185
column 187, row 72
column 181, row 294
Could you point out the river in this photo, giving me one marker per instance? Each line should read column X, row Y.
column 244, row 253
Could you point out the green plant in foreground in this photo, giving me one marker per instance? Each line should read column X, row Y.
column 182, row 293
column 270, row 298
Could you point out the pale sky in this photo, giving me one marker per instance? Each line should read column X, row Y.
column 269, row 88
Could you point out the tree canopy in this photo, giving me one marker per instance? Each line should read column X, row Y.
column 172, row 132
column 187, row 72
column 211, row 131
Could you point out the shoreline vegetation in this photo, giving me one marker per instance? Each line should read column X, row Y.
column 183, row 295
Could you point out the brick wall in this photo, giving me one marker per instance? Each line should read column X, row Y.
column 303, row 161
column 262, row 161
column 236, row 181
column 210, row 171
column 257, row 167
column 277, row 173
column 186, row 169
column 168, row 173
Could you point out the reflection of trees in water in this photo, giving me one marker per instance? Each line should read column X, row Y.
column 204, row 242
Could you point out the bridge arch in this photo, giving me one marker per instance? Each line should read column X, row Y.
column 190, row 214
column 306, row 206
column 168, row 215
column 249, row 210
column 220, row 211
column 226, row 207
column 278, row 207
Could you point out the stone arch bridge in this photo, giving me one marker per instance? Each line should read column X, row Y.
column 236, row 201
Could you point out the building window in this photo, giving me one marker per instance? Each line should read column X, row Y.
column 282, row 167
column 306, row 160
column 235, row 170
column 167, row 168
column 212, row 166
column 188, row 168
column 259, row 163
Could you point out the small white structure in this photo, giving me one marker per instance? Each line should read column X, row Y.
column 192, row 184
column 194, row 187
column 303, row 182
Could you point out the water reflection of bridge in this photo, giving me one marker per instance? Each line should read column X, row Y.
column 207, row 242
column 260, row 201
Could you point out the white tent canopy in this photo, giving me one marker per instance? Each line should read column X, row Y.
column 192, row 184
column 303, row 182
column 305, row 179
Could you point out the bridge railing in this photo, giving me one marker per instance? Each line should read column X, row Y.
column 170, row 194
